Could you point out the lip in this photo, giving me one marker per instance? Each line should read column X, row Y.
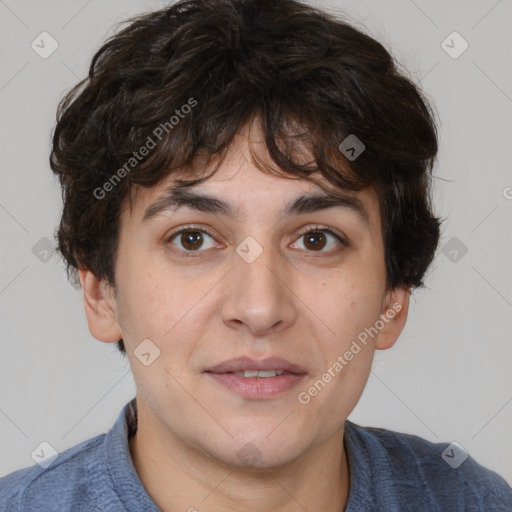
column 240, row 364
column 255, row 387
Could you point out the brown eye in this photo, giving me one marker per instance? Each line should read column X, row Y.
column 191, row 240
column 318, row 239
column 315, row 240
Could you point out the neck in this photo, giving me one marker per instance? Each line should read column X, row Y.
column 181, row 477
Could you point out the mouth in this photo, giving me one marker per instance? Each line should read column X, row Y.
column 247, row 364
column 254, row 379
column 260, row 374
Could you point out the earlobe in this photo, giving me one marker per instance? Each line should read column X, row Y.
column 393, row 316
column 100, row 307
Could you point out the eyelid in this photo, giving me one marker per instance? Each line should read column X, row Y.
column 190, row 227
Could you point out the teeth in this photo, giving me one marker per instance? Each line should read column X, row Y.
column 255, row 373
column 247, row 374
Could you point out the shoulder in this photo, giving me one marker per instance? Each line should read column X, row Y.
column 441, row 475
column 57, row 486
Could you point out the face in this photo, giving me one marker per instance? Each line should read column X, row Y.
column 288, row 288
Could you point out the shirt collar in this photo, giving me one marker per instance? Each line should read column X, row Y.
column 120, row 464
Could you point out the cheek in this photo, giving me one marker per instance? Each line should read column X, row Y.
column 166, row 306
column 147, row 300
column 351, row 305
column 347, row 354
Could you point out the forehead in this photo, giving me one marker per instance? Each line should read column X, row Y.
column 241, row 186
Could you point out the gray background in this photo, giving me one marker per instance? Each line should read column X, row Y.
column 447, row 379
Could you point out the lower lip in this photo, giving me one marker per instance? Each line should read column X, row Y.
column 255, row 387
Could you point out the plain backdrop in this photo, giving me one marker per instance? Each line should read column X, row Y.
column 449, row 376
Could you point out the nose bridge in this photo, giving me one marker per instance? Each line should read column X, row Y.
column 258, row 263
column 257, row 266
column 258, row 294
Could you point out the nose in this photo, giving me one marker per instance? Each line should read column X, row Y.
column 258, row 293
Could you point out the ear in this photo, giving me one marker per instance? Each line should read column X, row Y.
column 100, row 307
column 393, row 315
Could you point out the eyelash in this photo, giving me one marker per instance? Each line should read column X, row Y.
column 310, row 229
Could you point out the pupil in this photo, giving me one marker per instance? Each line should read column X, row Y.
column 314, row 237
column 191, row 240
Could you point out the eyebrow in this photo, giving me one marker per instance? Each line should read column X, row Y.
column 176, row 198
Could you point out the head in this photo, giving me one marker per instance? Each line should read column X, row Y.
column 248, row 102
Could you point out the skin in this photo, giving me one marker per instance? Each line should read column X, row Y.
column 304, row 304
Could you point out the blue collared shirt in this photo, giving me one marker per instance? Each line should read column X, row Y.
column 389, row 472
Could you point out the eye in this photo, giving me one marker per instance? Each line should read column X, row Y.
column 190, row 239
column 317, row 238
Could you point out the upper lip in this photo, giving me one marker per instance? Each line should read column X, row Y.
column 240, row 364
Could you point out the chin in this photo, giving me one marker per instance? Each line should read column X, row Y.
column 258, row 449
column 255, row 460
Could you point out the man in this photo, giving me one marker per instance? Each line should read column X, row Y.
column 246, row 205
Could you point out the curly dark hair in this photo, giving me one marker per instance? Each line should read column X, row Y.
column 309, row 77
